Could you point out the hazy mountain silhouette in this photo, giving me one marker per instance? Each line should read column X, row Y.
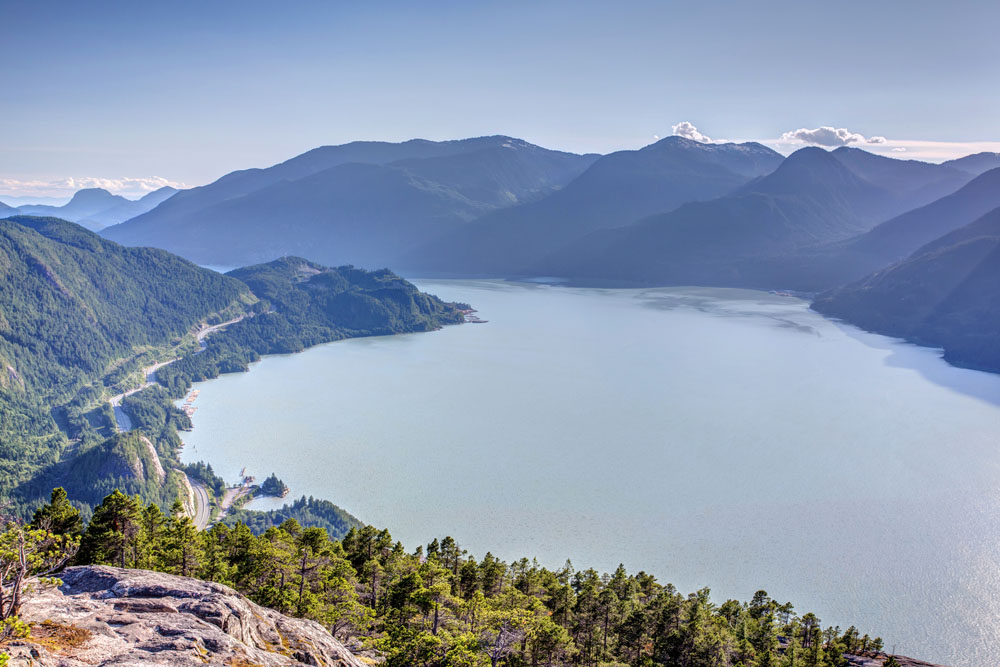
column 915, row 183
column 128, row 209
column 373, row 203
column 976, row 163
column 897, row 238
column 946, row 294
column 95, row 208
column 84, row 203
column 616, row 190
column 812, row 198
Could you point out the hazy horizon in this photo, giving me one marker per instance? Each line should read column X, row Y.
column 141, row 187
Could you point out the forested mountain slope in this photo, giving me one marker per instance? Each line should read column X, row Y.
column 80, row 316
column 77, row 313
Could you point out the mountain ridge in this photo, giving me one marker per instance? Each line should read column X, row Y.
column 946, row 294
column 361, row 203
column 94, row 208
column 615, row 190
column 811, row 198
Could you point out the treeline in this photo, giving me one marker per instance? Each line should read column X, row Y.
column 440, row 606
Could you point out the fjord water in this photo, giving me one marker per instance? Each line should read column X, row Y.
column 721, row 438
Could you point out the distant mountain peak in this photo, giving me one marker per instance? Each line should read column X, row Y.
column 976, row 163
column 810, row 154
column 807, row 162
column 89, row 194
column 675, row 141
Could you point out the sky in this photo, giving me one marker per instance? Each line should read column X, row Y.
column 132, row 96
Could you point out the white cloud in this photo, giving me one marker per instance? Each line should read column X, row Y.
column 65, row 187
column 898, row 149
column 828, row 136
column 689, row 131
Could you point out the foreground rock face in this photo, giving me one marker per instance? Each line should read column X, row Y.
column 110, row 616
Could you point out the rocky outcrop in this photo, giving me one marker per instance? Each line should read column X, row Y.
column 154, row 459
column 109, row 616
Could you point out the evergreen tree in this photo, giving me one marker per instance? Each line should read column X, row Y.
column 58, row 517
column 151, row 535
column 111, row 537
column 181, row 546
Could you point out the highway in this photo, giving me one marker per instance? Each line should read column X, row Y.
column 122, row 421
column 200, row 336
column 202, row 509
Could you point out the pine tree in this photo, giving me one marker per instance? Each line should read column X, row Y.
column 215, row 565
column 181, row 546
column 59, row 517
column 151, row 534
column 111, row 537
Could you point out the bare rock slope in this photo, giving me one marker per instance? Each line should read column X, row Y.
column 110, row 616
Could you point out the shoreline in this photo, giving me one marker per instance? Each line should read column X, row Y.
column 196, row 389
column 587, row 560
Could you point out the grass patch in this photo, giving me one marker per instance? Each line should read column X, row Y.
column 58, row 637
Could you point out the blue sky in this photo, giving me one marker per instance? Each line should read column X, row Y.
column 126, row 93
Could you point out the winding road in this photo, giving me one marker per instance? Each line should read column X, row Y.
column 123, row 424
column 215, row 327
column 122, row 421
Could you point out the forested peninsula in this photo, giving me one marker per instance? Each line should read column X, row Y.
column 82, row 317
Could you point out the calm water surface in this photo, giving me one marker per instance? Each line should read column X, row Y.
column 720, row 438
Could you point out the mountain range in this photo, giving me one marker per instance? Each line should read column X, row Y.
column 672, row 213
column 615, row 191
column 94, row 208
column 976, row 163
column 749, row 238
column 363, row 203
column 897, row 238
